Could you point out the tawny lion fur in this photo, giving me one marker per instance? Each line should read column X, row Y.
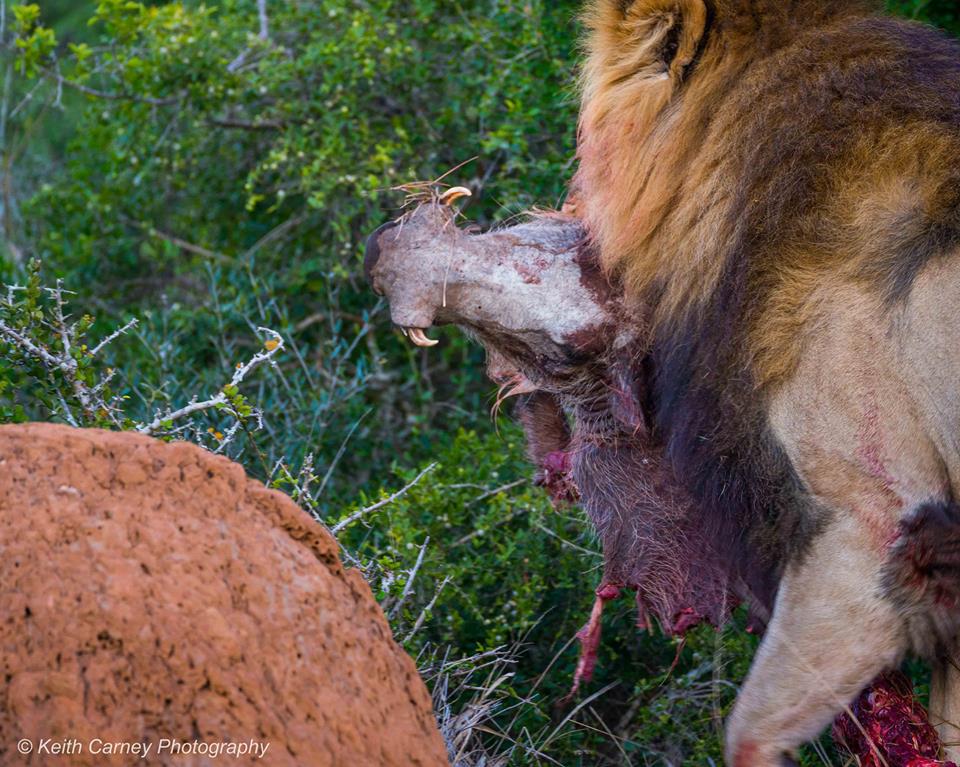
column 778, row 184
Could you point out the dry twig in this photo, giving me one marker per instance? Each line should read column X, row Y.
column 357, row 515
column 162, row 422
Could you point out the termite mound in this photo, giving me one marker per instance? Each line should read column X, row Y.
column 153, row 591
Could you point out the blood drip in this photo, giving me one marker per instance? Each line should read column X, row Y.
column 589, row 637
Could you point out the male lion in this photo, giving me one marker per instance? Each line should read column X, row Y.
column 780, row 183
column 764, row 395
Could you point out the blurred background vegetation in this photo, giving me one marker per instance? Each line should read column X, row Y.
column 209, row 170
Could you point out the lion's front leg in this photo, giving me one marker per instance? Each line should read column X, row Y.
column 945, row 702
column 831, row 634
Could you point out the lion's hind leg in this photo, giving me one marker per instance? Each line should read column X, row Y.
column 923, row 578
column 833, row 631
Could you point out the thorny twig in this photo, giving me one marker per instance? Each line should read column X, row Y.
column 221, row 398
column 113, row 337
column 22, row 341
column 228, row 437
column 64, row 359
column 418, row 624
column 68, row 363
column 340, row 526
column 408, row 586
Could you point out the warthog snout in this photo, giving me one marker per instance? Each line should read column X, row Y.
column 372, row 254
column 527, row 292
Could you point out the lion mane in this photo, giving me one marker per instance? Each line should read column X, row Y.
column 723, row 144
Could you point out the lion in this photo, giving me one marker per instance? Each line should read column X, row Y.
column 779, row 183
column 563, row 339
column 749, row 365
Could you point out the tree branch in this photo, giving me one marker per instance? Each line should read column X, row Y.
column 380, row 504
column 220, row 398
column 107, row 96
column 197, row 250
column 264, row 125
column 264, row 21
column 42, row 354
column 408, row 587
column 113, row 336
column 423, row 613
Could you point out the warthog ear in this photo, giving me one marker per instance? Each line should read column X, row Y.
column 649, row 38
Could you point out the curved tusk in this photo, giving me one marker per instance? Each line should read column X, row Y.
column 455, row 193
column 420, row 338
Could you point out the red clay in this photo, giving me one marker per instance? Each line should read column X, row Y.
column 152, row 591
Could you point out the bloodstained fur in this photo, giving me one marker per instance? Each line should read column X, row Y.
column 714, row 203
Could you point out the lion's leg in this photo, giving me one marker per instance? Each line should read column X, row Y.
column 831, row 634
column 945, row 703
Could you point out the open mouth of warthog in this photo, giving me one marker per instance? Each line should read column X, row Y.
column 374, row 269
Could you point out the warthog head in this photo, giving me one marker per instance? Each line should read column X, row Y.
column 530, row 294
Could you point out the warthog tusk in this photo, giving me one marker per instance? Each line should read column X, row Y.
column 448, row 197
column 420, row 338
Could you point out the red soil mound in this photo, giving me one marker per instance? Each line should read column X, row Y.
column 150, row 592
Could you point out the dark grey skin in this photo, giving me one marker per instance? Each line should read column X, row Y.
column 556, row 331
column 523, row 292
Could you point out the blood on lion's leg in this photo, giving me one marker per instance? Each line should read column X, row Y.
column 923, row 580
column 831, row 634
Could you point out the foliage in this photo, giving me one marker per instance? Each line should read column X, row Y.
column 48, row 363
column 207, row 173
column 943, row 13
